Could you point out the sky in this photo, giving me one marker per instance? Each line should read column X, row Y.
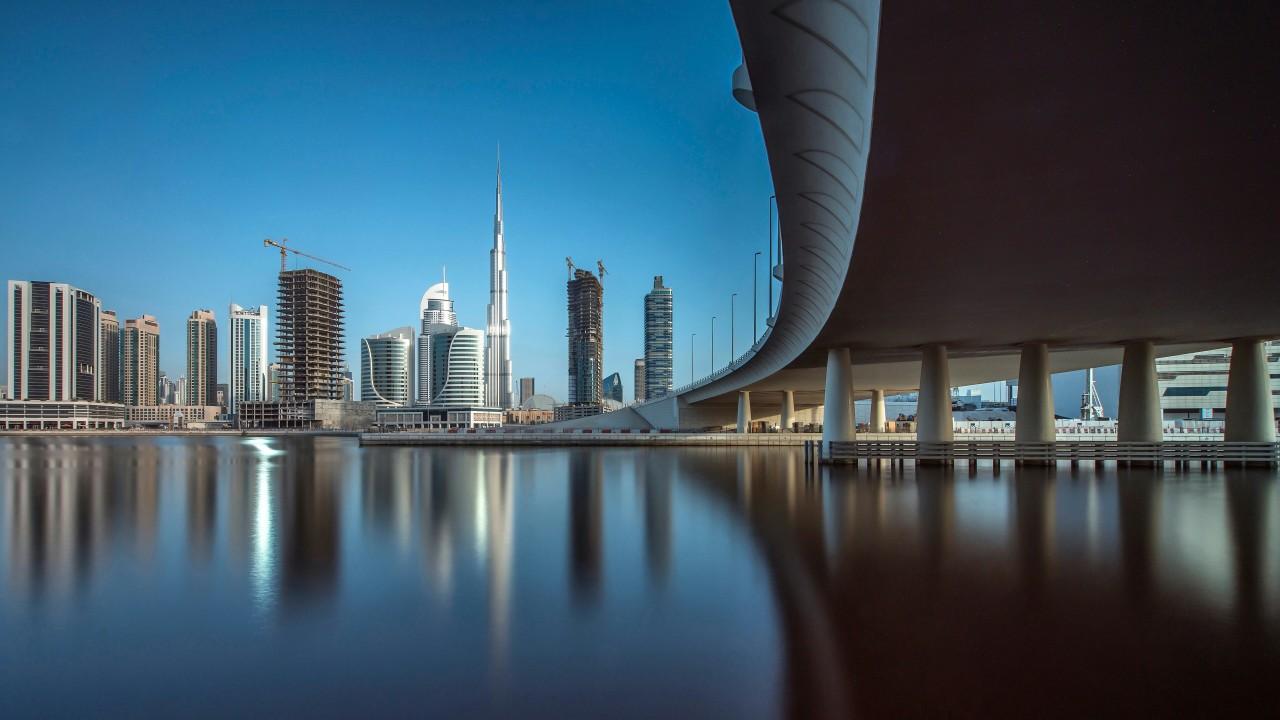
column 146, row 149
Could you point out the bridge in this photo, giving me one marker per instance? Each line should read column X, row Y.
column 1063, row 187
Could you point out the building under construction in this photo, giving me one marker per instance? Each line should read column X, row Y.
column 309, row 336
column 586, row 338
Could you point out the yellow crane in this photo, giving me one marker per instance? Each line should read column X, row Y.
column 283, row 245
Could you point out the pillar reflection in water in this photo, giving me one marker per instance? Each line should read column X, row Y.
column 1033, row 489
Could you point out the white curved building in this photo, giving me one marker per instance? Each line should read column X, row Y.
column 385, row 367
column 456, row 359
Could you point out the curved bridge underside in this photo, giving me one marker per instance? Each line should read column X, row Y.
column 985, row 175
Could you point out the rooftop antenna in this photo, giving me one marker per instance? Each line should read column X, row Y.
column 444, row 274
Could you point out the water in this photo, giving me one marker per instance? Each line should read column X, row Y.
column 216, row 576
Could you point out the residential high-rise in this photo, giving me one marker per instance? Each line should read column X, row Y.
column 586, row 338
column 273, row 382
column 140, row 360
column 497, row 348
column 639, row 380
column 658, row 373
column 202, row 358
column 55, row 342
column 526, row 389
column 612, row 388
column 386, row 364
column 456, row 374
column 248, row 360
column 309, row 341
column 435, row 311
column 109, row 381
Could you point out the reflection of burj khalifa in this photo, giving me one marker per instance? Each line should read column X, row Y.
column 497, row 339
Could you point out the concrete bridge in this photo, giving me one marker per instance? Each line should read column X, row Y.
column 1064, row 186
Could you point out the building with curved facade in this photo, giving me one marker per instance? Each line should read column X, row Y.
column 456, row 368
column 385, row 368
column 437, row 317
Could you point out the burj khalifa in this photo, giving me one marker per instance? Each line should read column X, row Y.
column 497, row 339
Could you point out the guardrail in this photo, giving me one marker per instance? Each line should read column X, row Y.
column 1076, row 451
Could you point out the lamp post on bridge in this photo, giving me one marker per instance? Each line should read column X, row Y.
column 755, row 298
column 692, row 337
column 733, row 346
column 713, row 344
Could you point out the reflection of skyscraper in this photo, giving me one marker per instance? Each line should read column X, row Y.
column 500, row 525
column 309, row 527
column 585, row 525
column 658, row 308
column 586, row 338
column 656, row 473
column 202, row 501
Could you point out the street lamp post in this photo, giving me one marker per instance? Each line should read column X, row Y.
column 713, row 344
column 772, row 200
column 692, row 337
column 755, row 298
column 733, row 346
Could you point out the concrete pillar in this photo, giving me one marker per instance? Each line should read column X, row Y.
column 837, row 401
column 788, row 417
column 1250, row 413
column 877, row 411
column 1035, row 396
column 1139, row 419
column 933, row 412
column 744, row 411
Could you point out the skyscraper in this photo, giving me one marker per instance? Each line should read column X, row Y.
column 456, row 374
column 309, row 336
column 639, row 380
column 140, row 360
column 527, row 389
column 586, row 338
column 497, row 348
column 248, row 361
column 435, row 311
column 202, row 358
column 386, row 364
column 612, row 388
column 658, row 374
column 55, row 342
column 109, row 380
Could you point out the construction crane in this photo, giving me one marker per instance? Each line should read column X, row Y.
column 285, row 250
column 600, row 266
column 569, row 261
column 1090, row 401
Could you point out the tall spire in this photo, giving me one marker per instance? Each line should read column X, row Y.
column 497, row 343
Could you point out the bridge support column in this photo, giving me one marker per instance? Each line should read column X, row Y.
column 877, row 411
column 837, row 400
column 933, row 411
column 1035, row 396
column 1250, row 412
column 787, row 418
column 1139, row 419
column 744, row 411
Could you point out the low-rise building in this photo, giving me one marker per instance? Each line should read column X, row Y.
column 529, row 416
column 307, row 415
column 574, row 411
column 164, row 416
column 51, row 415
column 439, row 418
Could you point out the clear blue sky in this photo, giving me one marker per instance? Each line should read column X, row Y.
column 147, row 148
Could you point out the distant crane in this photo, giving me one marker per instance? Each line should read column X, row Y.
column 600, row 267
column 285, row 250
column 569, row 262
column 1090, row 401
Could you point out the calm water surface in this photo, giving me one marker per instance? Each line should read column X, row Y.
column 212, row 576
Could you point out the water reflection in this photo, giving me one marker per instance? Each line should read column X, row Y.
column 580, row 582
